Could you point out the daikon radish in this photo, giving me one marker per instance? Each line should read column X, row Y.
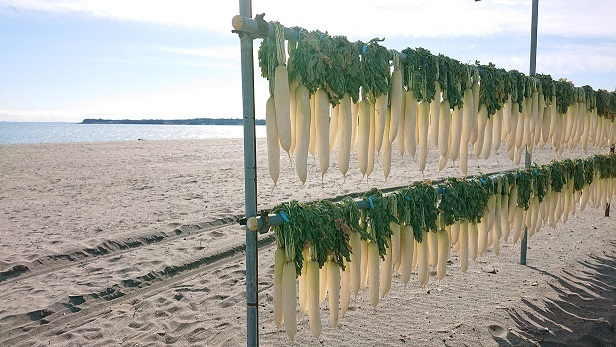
column 302, row 284
column 273, row 142
column 289, row 299
column 322, row 129
column 400, row 142
column 345, row 288
column 355, row 265
column 528, row 117
column 314, row 314
column 443, row 128
column 282, row 101
column 442, row 163
column 323, row 282
column 586, row 130
column 364, row 264
column 345, row 124
column 569, row 118
column 373, row 273
column 513, row 201
column 385, row 270
column 455, row 232
column 380, row 114
column 520, row 130
column 293, row 114
column 435, row 108
column 363, row 136
column 584, row 199
column 504, row 211
column 513, row 127
column 410, row 123
column 423, row 265
column 497, row 224
column 414, row 262
column 443, row 254
column 456, row 133
column 481, row 129
column 539, row 120
column 482, row 236
column 302, row 131
column 506, row 127
column 535, row 215
column 407, row 246
column 280, row 259
column 545, row 125
column 545, row 204
column 487, row 138
column 497, row 132
column 491, row 212
column 475, row 117
column 333, row 289
column 518, row 223
column 567, row 205
column 396, row 104
column 333, row 128
column 355, row 122
column 422, row 123
column 395, row 241
column 464, row 246
column 553, row 117
column 534, row 113
column 312, row 144
column 467, row 117
column 372, row 141
column 473, row 240
column 386, row 158
column 432, row 248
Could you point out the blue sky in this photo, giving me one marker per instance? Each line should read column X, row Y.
column 66, row 60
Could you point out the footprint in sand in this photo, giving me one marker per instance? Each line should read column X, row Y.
column 497, row 331
column 216, row 234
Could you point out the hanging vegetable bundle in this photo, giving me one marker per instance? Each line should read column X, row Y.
column 335, row 94
column 334, row 249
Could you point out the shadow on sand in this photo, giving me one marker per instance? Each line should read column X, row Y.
column 582, row 312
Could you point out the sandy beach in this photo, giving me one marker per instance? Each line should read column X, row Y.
column 138, row 243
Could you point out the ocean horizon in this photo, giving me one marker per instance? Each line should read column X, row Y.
column 59, row 132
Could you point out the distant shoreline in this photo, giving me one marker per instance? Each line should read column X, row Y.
column 196, row 121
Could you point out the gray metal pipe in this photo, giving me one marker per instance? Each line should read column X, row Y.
column 532, row 72
column 259, row 224
column 251, row 26
column 250, row 180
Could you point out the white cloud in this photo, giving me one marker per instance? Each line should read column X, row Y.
column 576, row 58
column 359, row 19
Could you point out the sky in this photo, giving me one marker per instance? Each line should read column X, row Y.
column 66, row 60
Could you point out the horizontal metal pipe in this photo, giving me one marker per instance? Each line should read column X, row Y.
column 257, row 223
column 251, row 26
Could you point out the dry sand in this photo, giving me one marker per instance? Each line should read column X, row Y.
column 138, row 244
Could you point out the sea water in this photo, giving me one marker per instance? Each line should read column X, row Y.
column 50, row 132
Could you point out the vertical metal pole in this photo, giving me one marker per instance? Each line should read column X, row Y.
column 250, row 179
column 533, row 70
column 607, row 207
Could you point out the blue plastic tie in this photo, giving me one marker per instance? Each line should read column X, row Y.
column 370, row 202
column 536, row 172
column 407, row 198
column 284, row 216
column 483, row 181
column 299, row 34
column 364, row 49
